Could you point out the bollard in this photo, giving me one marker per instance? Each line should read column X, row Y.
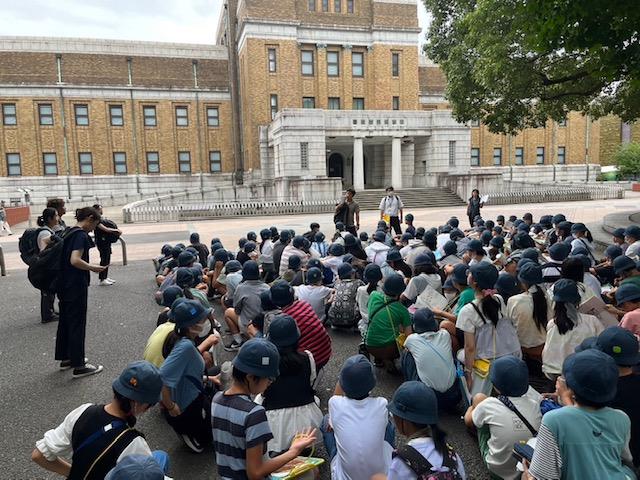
column 3, row 268
column 124, row 251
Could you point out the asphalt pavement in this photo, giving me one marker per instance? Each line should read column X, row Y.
column 35, row 396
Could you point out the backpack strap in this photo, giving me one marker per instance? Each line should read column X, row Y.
column 98, row 433
column 414, row 460
column 509, row 404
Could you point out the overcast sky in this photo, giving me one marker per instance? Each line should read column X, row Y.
column 190, row 21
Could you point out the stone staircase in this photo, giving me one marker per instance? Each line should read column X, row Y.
column 411, row 197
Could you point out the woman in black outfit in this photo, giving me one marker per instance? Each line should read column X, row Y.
column 474, row 206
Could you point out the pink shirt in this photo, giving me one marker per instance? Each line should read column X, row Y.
column 631, row 321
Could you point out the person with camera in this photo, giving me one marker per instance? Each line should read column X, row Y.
column 107, row 232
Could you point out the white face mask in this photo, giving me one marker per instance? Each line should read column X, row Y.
column 205, row 329
column 449, row 296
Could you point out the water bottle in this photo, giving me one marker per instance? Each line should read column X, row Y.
column 225, row 374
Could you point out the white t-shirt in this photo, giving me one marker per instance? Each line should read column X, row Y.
column 431, row 352
column 441, row 239
column 418, row 284
column 506, row 429
column 520, row 309
column 359, row 427
column 315, row 295
column 633, row 250
column 42, row 237
column 391, row 205
column 587, row 245
column 399, row 470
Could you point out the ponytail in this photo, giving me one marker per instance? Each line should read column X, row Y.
column 589, row 236
column 47, row 214
column 562, row 320
column 438, row 436
column 125, row 405
column 371, row 287
column 490, row 306
column 540, row 309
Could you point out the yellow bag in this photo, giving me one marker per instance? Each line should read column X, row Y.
column 481, row 367
column 387, row 219
column 400, row 339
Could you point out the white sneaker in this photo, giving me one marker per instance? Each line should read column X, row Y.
column 105, row 282
column 111, row 280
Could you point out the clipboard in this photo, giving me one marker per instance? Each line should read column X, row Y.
column 431, row 299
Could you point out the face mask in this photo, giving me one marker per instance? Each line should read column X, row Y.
column 449, row 296
column 205, row 329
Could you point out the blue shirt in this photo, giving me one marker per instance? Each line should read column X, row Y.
column 184, row 361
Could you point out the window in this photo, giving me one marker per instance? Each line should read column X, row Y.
column 475, row 157
column 563, row 122
column 182, row 117
column 562, row 155
column 86, row 163
column 306, row 59
column 540, row 155
column 273, row 64
column 50, row 162
column 333, row 64
column 452, row 153
column 120, row 163
column 519, row 155
column 395, row 64
column 304, row 155
column 334, row 103
column 153, row 162
column 117, row 115
column 213, row 117
column 81, row 112
column 308, row 102
column 358, row 103
column 497, row 156
column 215, row 162
column 337, row 6
column 149, row 114
column 45, row 112
column 357, row 64
column 312, row 5
column 9, row 116
column 325, row 5
column 395, row 103
column 184, row 162
column 474, row 123
column 14, row 168
column 349, row 6
column 273, row 105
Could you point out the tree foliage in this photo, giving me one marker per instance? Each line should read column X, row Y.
column 516, row 63
column 628, row 160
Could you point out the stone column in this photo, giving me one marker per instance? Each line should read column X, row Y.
column 396, row 162
column 358, row 164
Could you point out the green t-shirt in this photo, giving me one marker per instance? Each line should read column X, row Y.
column 466, row 296
column 633, row 280
column 385, row 325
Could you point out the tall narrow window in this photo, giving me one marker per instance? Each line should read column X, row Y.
column 334, row 103
column 563, row 122
column 45, row 112
column 120, row 163
column 149, row 115
column 474, row 123
column 86, row 163
column 312, row 5
column 14, row 168
column 308, row 102
column 153, row 162
column 9, row 116
column 395, row 103
column 304, row 155
column 497, row 156
column 452, row 153
column 349, row 6
column 273, row 104
column 325, row 5
column 306, row 61
column 540, row 155
column 215, row 162
column 213, row 117
column 81, row 112
column 337, row 6
column 333, row 64
column 273, row 61
column 357, row 64
column 395, row 64
column 184, row 162
column 475, row 157
column 562, row 155
column 519, row 155
column 116, row 115
column 50, row 164
column 358, row 103
column 182, row 116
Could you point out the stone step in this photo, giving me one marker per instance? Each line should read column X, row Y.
column 411, row 197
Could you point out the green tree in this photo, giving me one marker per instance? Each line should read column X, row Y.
column 628, row 160
column 516, row 63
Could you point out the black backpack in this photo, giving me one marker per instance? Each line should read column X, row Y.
column 341, row 213
column 28, row 244
column 104, row 237
column 44, row 270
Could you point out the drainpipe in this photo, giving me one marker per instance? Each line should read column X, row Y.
column 134, row 128
column 65, row 142
column 198, row 127
column 586, row 146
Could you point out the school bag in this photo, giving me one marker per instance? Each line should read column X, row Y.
column 28, row 244
column 107, row 237
column 341, row 213
column 45, row 268
column 423, row 468
column 343, row 311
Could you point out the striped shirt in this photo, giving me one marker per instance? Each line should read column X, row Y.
column 238, row 424
column 313, row 335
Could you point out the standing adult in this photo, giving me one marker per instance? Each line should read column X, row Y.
column 474, row 206
column 47, row 221
column 73, row 292
column 348, row 212
column 391, row 210
column 4, row 225
column 103, row 236
column 59, row 205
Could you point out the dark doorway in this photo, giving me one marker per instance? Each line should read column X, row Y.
column 335, row 165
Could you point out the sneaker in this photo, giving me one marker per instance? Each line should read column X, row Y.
column 111, row 280
column 87, row 370
column 233, row 346
column 192, row 443
column 105, row 282
column 53, row 317
column 66, row 364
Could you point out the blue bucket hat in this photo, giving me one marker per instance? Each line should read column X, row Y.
column 454, row 222
column 497, row 229
column 613, row 252
column 578, row 228
column 558, row 218
column 170, row 295
column 265, row 301
column 186, row 258
column 336, row 250
column 415, row 402
column 446, row 228
column 507, row 286
column 627, row 292
column 184, row 277
column 424, row 259
column 176, row 251
column 319, row 237
column 249, row 247
column 586, row 344
column 531, row 274
column 221, row 255
column 621, row 345
column 314, row 263
column 559, row 251
column 364, row 236
column 633, row 231
column 450, row 248
column 285, row 236
column 485, row 237
column 623, row 264
column 393, row 255
column 532, row 253
column 510, row 376
column 345, row 271
column 265, row 234
column 379, row 236
column 298, row 241
column 456, row 234
column 258, row 357
column 166, row 249
column 139, row 381
column 250, row 270
column 281, row 293
column 409, row 217
column 357, row 377
column 349, row 240
column 618, row 233
column 393, row 285
column 233, row 266
column 592, row 375
column 340, row 226
column 484, row 274
column 283, row 331
column 136, row 467
column 424, row 321
column 372, row 273
column 314, row 275
column 565, row 290
column 186, row 313
column 497, row 242
column 294, row 262
column 406, row 236
column 460, row 273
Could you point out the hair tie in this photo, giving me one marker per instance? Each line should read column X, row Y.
column 489, row 292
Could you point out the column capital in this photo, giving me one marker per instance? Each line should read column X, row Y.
column 321, row 45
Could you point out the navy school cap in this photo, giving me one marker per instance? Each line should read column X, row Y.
column 510, row 376
column 357, row 377
column 424, row 321
column 258, row 357
column 592, row 375
column 415, row 402
column 484, row 274
column 139, row 381
column 620, row 344
column 627, row 292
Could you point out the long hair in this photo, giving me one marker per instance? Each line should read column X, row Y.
column 540, row 309
column 438, row 435
column 428, row 269
column 573, row 269
column 490, row 307
column 47, row 215
column 87, row 212
column 124, row 404
column 291, row 361
column 563, row 322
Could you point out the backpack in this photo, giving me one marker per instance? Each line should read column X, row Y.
column 43, row 271
column 422, row 468
column 28, row 244
column 104, row 237
column 341, row 213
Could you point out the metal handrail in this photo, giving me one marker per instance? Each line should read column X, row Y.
column 3, row 268
column 124, row 250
